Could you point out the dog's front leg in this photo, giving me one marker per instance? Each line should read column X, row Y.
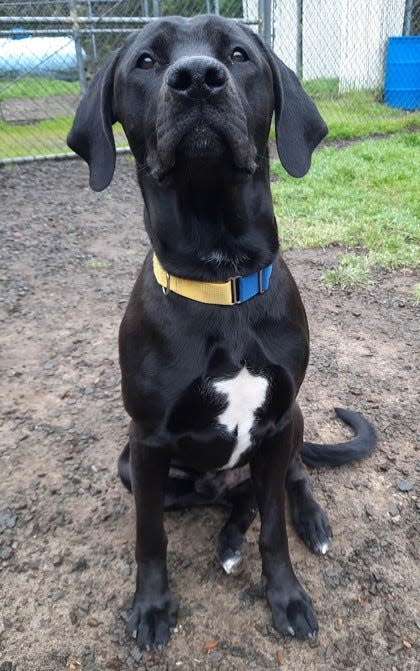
column 153, row 611
column 290, row 605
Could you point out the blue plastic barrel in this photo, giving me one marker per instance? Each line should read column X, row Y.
column 402, row 72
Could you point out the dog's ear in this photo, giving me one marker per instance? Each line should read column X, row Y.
column 299, row 125
column 91, row 134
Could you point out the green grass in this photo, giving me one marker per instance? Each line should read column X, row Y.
column 357, row 114
column 351, row 270
column 416, row 294
column 35, row 139
column 36, row 87
column 364, row 197
column 42, row 138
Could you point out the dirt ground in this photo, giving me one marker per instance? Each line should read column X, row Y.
column 69, row 259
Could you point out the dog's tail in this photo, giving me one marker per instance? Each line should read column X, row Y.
column 340, row 453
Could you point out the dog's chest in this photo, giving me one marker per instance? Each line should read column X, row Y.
column 244, row 395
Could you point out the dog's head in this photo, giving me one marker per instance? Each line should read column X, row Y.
column 199, row 93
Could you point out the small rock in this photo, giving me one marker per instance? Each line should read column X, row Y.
column 84, row 605
column 393, row 510
column 74, row 618
column 404, row 485
column 57, row 560
column 6, row 553
column 80, row 565
column 369, row 510
column 376, row 575
column 407, row 644
column 135, row 654
column 215, row 656
column 237, row 651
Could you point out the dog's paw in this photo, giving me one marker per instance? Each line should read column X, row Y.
column 314, row 529
column 230, row 550
column 151, row 623
column 293, row 614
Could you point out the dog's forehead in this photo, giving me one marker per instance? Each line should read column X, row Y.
column 193, row 34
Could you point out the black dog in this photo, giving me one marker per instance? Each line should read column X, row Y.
column 211, row 365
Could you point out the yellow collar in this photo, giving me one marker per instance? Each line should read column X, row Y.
column 233, row 291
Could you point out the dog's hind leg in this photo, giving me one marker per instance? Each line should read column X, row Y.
column 310, row 521
column 232, row 536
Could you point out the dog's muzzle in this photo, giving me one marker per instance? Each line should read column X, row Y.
column 201, row 114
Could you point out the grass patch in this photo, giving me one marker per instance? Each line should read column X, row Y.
column 96, row 264
column 36, row 87
column 356, row 114
column 42, row 138
column 416, row 294
column 364, row 197
column 351, row 271
column 35, row 139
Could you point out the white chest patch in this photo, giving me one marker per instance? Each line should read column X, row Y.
column 245, row 395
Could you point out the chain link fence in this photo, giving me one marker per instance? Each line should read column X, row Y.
column 49, row 51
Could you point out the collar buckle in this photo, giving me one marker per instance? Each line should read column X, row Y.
column 167, row 289
column 234, row 285
column 261, row 289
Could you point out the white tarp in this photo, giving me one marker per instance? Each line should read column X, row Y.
column 40, row 56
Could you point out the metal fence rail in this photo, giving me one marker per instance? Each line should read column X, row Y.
column 49, row 50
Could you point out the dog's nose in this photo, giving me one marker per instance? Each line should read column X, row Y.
column 197, row 76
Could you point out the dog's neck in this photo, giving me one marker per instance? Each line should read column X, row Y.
column 210, row 226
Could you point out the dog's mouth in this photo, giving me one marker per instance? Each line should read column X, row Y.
column 201, row 138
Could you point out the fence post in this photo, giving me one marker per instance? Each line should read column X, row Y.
column 264, row 23
column 78, row 46
column 299, row 38
column 408, row 15
column 92, row 35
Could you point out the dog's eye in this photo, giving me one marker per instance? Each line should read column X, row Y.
column 239, row 55
column 145, row 62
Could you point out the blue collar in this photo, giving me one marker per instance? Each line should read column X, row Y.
column 244, row 288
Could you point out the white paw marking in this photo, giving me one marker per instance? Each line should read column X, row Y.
column 325, row 547
column 231, row 563
column 245, row 395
